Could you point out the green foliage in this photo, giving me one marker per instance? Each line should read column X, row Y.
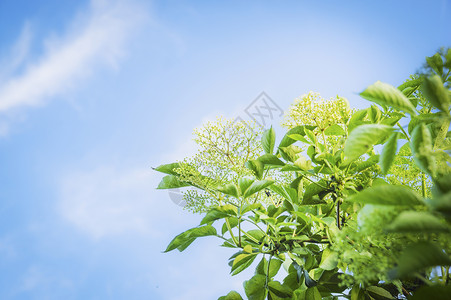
column 344, row 209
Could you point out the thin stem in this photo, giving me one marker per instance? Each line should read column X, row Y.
column 267, row 272
column 231, row 232
column 403, row 131
column 424, row 279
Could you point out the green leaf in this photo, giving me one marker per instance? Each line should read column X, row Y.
column 357, row 118
column 309, row 282
column 286, row 192
column 387, row 95
column 233, row 295
column 270, row 159
column 280, row 290
column 244, row 183
column 329, row 259
column 418, row 257
column 436, row 292
column 255, row 287
column 359, row 167
column 287, row 141
column 436, row 93
column 312, row 293
column 416, row 222
column 287, row 153
column 299, row 137
column 219, row 212
column 314, row 189
column 256, row 166
column 363, row 138
column 421, row 145
column 171, row 182
column 310, row 135
column 436, row 63
column 335, row 129
column 387, row 195
column 168, row 168
column 357, row 293
column 268, row 140
column 379, row 293
column 303, row 163
column 257, row 186
column 229, row 189
column 189, row 236
column 388, row 153
column 241, row 262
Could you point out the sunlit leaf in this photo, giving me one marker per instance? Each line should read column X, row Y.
column 387, row 95
column 280, row 290
column 268, row 140
column 387, row 195
column 418, row 257
column 362, row 139
column 189, row 236
column 388, row 153
column 255, row 287
column 417, row 221
column 436, row 93
column 421, row 145
column 171, row 182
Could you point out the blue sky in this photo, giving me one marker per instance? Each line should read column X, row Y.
column 94, row 93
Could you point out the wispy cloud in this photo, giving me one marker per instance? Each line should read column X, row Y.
column 96, row 37
column 105, row 201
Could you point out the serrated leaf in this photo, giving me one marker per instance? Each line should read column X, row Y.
column 255, row 166
column 244, row 183
column 335, row 129
column 418, row 257
column 379, row 293
column 268, row 140
column 417, row 221
column 270, row 159
column 314, row 189
column 388, row 153
column 232, row 295
column 421, row 145
column 312, row 293
column 329, row 259
column 286, row 192
column 257, row 186
column 287, row 141
column 280, row 290
column 299, row 137
column 189, row 236
column 229, row 189
column 287, row 153
column 241, row 262
column 168, row 168
column 171, row 182
column 255, row 287
column 387, row 95
column 436, row 93
column 436, row 63
column 362, row 139
column 388, row 195
column 219, row 212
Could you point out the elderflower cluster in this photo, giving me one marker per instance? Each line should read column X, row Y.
column 312, row 109
column 224, row 148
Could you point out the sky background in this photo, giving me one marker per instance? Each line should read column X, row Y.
column 95, row 93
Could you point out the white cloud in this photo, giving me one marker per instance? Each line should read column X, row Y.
column 105, row 201
column 96, row 37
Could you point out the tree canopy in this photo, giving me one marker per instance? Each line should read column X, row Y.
column 348, row 203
